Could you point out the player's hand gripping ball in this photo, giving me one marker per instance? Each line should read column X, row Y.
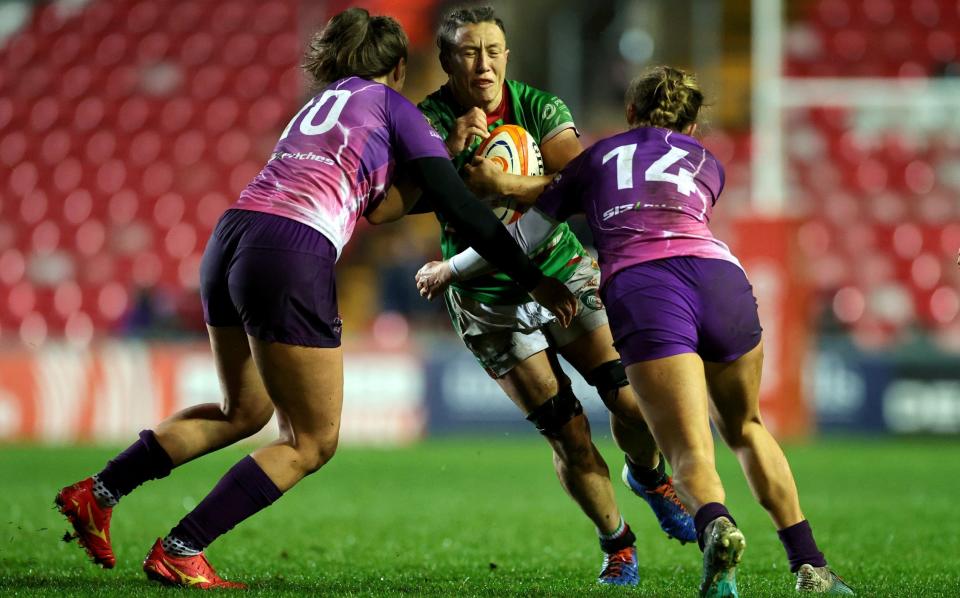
column 509, row 149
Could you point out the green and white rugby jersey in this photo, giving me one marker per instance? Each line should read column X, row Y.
column 544, row 116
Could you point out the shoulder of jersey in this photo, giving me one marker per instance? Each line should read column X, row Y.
column 513, row 149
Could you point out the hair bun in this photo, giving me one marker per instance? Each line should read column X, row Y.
column 665, row 97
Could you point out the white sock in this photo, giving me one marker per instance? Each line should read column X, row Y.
column 177, row 547
column 621, row 529
column 104, row 497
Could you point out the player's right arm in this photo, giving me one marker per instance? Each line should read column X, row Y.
column 530, row 232
column 558, row 202
column 405, row 198
column 419, row 149
column 400, row 200
column 484, row 178
column 484, row 232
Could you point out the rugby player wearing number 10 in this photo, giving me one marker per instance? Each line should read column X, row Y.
column 270, row 301
column 514, row 339
column 683, row 315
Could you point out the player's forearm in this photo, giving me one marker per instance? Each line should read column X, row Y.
column 530, row 233
column 441, row 183
column 401, row 199
column 523, row 189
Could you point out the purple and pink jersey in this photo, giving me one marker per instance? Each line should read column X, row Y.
column 647, row 193
column 335, row 160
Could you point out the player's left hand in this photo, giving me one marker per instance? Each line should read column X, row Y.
column 433, row 279
column 483, row 176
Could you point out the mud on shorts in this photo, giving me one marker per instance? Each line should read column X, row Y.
column 502, row 336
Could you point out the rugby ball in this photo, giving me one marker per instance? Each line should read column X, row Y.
column 513, row 149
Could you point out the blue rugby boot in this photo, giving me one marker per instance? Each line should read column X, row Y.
column 722, row 550
column 821, row 580
column 620, row 568
column 670, row 512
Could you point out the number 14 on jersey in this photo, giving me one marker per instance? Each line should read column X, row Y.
column 657, row 171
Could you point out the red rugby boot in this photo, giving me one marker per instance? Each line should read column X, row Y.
column 184, row 571
column 91, row 522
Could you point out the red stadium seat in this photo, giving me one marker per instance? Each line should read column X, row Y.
column 143, row 16
column 45, row 238
column 21, row 299
column 90, row 238
column 181, row 240
column 67, row 299
column 112, row 300
column 209, row 209
column 146, row 269
column 13, row 267
column 79, row 329
column 33, row 329
column 125, row 131
column 188, row 272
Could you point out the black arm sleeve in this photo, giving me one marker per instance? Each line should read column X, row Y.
column 443, row 188
column 423, row 205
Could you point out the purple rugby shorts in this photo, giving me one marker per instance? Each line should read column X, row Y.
column 682, row 305
column 273, row 276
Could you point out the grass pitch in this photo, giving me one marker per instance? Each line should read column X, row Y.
column 487, row 517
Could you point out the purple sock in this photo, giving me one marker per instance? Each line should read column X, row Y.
column 240, row 493
column 800, row 546
column 143, row 460
column 706, row 514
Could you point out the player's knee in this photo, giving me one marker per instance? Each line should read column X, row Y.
column 249, row 420
column 315, row 453
column 551, row 417
column 608, row 378
column 741, row 434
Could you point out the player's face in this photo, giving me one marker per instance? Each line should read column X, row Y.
column 478, row 65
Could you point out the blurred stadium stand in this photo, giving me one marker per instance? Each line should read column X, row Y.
column 127, row 126
column 879, row 186
column 127, row 129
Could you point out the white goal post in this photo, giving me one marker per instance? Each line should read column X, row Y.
column 773, row 93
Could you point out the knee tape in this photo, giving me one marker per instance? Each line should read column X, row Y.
column 608, row 379
column 553, row 415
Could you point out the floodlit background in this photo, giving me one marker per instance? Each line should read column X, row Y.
column 127, row 127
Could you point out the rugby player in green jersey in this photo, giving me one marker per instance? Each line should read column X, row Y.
column 515, row 339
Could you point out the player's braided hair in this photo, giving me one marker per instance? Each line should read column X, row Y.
column 457, row 18
column 355, row 44
column 665, row 97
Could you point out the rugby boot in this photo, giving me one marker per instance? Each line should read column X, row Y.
column 620, row 568
column 184, row 571
column 90, row 521
column 821, row 580
column 670, row 512
column 722, row 550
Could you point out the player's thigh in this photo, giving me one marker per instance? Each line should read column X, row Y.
column 673, row 398
column 245, row 396
column 587, row 342
column 590, row 349
column 593, row 349
column 533, row 381
column 306, row 386
column 735, row 391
